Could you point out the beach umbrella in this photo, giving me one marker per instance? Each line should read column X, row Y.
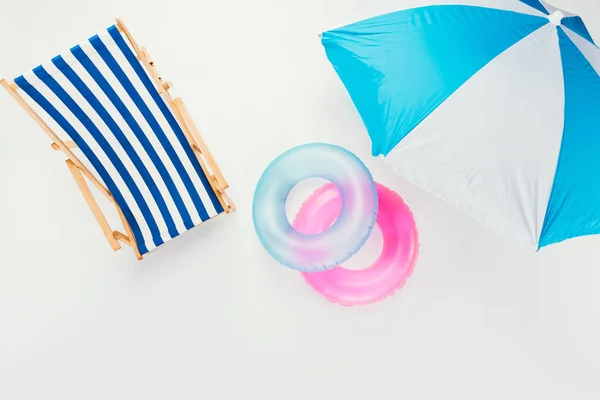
column 492, row 105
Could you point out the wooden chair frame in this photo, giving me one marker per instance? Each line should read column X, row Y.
column 80, row 171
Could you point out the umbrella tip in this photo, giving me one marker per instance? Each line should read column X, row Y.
column 557, row 17
column 320, row 35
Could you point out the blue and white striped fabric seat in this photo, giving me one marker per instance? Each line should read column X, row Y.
column 101, row 96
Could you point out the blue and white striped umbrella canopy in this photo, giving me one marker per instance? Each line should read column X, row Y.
column 492, row 105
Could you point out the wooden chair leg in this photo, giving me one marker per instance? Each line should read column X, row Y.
column 130, row 237
column 89, row 198
column 230, row 204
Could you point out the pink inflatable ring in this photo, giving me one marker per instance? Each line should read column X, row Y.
column 388, row 273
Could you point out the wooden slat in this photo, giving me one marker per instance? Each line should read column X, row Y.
column 200, row 143
column 123, row 29
column 89, row 198
column 55, row 139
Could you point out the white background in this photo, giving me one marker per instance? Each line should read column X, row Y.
column 210, row 315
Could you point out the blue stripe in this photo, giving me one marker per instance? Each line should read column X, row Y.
column 574, row 206
column 576, row 25
column 45, row 77
column 537, row 5
column 60, row 63
column 89, row 66
column 399, row 67
column 139, row 102
column 89, row 154
column 116, row 35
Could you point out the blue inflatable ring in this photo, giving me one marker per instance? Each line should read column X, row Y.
column 348, row 233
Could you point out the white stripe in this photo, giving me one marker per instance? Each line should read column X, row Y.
column 589, row 51
column 96, row 149
column 135, row 143
column 170, row 134
column 492, row 148
column 139, row 118
column 551, row 9
column 62, row 135
column 370, row 9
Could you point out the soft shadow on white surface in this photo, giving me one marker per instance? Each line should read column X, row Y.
column 211, row 315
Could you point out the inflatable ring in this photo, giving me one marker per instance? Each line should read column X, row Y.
column 343, row 237
column 388, row 273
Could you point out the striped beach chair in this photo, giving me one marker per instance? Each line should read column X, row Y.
column 105, row 106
